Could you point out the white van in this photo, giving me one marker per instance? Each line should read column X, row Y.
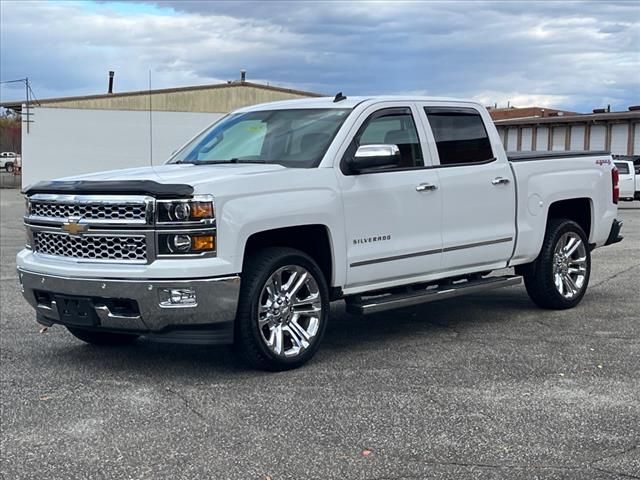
column 627, row 179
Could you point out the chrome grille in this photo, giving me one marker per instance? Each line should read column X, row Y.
column 92, row 247
column 89, row 211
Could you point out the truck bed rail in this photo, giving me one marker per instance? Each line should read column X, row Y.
column 530, row 156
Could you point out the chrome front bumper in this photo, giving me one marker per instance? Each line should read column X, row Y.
column 214, row 307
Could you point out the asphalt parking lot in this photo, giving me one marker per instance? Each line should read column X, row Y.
column 486, row 386
column 9, row 180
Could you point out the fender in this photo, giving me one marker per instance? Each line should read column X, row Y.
column 308, row 197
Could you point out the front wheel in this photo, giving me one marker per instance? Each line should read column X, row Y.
column 558, row 278
column 96, row 337
column 282, row 310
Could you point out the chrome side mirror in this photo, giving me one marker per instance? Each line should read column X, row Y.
column 375, row 156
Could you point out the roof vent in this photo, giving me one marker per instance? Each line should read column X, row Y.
column 599, row 110
column 111, row 75
column 243, row 75
column 634, row 108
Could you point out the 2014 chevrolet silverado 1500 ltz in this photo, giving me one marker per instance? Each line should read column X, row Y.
column 258, row 223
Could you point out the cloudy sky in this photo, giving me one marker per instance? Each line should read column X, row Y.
column 572, row 55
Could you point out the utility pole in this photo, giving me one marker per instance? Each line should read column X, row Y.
column 26, row 88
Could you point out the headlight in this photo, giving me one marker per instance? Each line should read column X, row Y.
column 198, row 210
column 186, row 227
column 186, row 243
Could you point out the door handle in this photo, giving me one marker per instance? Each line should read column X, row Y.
column 424, row 187
column 500, row 181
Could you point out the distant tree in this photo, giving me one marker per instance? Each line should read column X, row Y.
column 10, row 132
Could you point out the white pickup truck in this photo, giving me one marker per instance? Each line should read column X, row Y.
column 8, row 161
column 260, row 221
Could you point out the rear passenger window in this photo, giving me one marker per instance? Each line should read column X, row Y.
column 460, row 135
column 623, row 168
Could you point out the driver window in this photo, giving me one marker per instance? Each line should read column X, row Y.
column 396, row 128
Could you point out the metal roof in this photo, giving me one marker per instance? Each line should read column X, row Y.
column 580, row 118
column 17, row 104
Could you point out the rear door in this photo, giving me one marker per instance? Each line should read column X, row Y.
column 478, row 191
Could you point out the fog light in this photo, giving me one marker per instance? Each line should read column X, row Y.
column 177, row 297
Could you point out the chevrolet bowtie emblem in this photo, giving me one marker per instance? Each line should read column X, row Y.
column 73, row 226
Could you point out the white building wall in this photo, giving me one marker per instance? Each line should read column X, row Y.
column 597, row 137
column 559, row 136
column 512, row 139
column 542, row 139
column 577, row 137
column 527, row 138
column 619, row 138
column 64, row 142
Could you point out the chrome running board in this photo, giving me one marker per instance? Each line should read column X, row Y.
column 365, row 304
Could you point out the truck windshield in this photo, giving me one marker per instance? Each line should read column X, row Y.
column 292, row 138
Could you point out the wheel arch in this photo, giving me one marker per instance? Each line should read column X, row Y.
column 313, row 239
column 580, row 210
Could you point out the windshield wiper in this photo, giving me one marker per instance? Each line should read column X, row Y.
column 233, row 160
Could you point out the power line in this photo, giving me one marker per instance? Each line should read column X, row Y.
column 14, row 81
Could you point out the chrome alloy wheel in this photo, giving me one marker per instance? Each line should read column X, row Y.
column 569, row 265
column 289, row 311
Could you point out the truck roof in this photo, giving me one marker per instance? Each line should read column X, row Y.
column 349, row 102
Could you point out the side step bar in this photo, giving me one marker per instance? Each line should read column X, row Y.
column 378, row 303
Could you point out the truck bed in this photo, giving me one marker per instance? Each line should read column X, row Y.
column 579, row 175
column 550, row 155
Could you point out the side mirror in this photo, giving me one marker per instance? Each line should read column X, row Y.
column 375, row 156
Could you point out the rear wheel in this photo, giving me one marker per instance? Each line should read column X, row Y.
column 283, row 309
column 558, row 278
column 95, row 337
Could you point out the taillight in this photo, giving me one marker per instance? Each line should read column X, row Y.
column 615, row 184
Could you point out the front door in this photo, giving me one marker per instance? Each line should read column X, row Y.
column 392, row 216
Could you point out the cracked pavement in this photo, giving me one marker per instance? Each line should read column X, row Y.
column 479, row 387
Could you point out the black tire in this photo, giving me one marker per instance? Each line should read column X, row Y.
column 539, row 275
column 8, row 167
column 96, row 337
column 258, row 269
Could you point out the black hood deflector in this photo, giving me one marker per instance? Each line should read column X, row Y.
column 121, row 187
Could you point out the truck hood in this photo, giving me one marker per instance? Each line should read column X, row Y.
column 193, row 175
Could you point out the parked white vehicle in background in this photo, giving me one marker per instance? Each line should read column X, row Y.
column 8, row 161
column 259, row 222
column 627, row 174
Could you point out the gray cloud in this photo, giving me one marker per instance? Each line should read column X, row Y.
column 575, row 55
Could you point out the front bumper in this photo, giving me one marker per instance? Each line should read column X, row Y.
column 213, row 312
